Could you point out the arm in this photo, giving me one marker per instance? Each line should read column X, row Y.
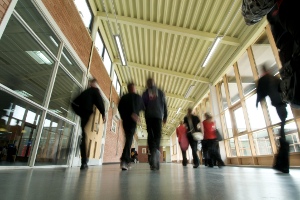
column 165, row 108
column 98, row 101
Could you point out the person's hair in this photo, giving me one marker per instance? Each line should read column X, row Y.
column 129, row 86
column 208, row 115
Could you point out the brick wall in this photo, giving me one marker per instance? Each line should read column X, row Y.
column 3, row 8
column 68, row 19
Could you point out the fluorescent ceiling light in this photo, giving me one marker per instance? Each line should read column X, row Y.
column 212, row 50
column 40, row 57
column 189, row 91
column 120, row 49
column 178, row 110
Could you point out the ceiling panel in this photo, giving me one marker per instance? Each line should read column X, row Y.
column 169, row 41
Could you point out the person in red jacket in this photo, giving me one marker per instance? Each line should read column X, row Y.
column 210, row 144
column 181, row 132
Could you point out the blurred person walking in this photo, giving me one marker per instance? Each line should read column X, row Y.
column 192, row 123
column 156, row 113
column 268, row 85
column 181, row 132
column 129, row 107
column 83, row 107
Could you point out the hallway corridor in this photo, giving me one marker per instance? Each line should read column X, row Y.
column 173, row 182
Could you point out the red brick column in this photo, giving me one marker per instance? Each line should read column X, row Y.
column 3, row 8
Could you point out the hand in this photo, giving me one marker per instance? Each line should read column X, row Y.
column 104, row 119
column 135, row 117
column 164, row 121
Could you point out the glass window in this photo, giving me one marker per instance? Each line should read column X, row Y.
column 263, row 54
column 262, row 142
column 273, row 113
column 244, row 145
column 232, row 86
column 64, row 91
column 25, row 66
column 256, row 115
column 107, row 62
column 118, row 88
column 36, row 22
column 99, row 44
column 223, row 96
column 85, row 12
column 18, row 129
column 232, row 148
column 239, row 120
column 291, row 134
column 246, row 74
column 54, row 146
column 115, row 79
column 70, row 64
column 228, row 124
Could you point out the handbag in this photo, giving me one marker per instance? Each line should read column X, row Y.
column 197, row 136
column 219, row 136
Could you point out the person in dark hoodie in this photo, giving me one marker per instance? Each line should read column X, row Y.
column 268, row 85
column 129, row 107
column 156, row 113
column 83, row 107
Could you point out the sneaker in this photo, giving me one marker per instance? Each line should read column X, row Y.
column 157, row 155
column 129, row 165
column 281, row 169
column 123, row 165
column 83, row 166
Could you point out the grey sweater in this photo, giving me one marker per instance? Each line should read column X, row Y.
column 155, row 104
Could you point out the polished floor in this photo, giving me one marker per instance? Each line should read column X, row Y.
column 172, row 181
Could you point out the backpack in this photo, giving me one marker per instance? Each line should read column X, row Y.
column 254, row 10
column 290, row 84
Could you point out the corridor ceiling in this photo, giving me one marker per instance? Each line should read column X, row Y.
column 169, row 41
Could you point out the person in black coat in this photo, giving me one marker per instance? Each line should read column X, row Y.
column 129, row 107
column 192, row 122
column 83, row 107
column 268, row 85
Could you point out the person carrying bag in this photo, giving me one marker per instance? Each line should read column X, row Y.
column 210, row 143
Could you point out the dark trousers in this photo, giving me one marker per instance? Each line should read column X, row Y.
column 84, row 120
column 154, row 134
column 184, row 159
column 129, row 129
column 193, row 144
column 213, row 153
column 282, row 113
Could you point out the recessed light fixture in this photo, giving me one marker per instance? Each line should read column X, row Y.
column 120, row 49
column 212, row 50
column 189, row 91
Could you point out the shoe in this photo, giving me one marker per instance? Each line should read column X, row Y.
column 283, row 170
column 221, row 164
column 83, row 166
column 154, row 162
column 123, row 165
column 157, row 159
column 196, row 166
column 129, row 165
